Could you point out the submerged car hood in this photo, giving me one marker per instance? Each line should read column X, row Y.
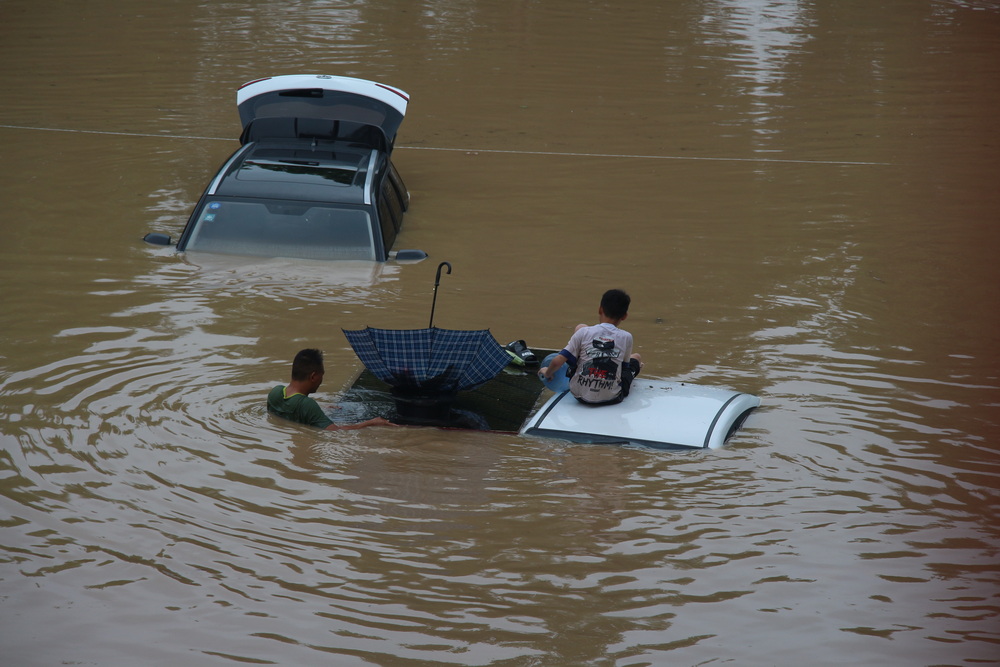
column 320, row 106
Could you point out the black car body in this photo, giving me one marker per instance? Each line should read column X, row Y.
column 313, row 177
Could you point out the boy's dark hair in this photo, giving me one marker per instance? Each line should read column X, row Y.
column 615, row 303
column 306, row 363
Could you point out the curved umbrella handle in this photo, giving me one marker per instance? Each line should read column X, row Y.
column 437, row 281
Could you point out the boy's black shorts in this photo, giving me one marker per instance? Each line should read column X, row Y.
column 630, row 370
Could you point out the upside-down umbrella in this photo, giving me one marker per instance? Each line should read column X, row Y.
column 429, row 361
column 426, row 368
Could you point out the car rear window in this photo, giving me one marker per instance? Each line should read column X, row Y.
column 297, row 171
column 283, row 229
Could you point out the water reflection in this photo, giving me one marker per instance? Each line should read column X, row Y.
column 947, row 7
column 766, row 35
column 763, row 40
column 281, row 278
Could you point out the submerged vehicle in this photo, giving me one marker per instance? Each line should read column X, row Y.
column 657, row 413
column 313, row 178
column 413, row 376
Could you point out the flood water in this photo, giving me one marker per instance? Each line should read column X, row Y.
column 800, row 196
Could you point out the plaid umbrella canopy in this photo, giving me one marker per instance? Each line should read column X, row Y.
column 432, row 360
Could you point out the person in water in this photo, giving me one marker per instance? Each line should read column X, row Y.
column 292, row 401
column 602, row 365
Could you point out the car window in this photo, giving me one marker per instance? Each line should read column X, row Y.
column 297, row 171
column 397, row 183
column 386, row 223
column 391, row 195
column 283, row 229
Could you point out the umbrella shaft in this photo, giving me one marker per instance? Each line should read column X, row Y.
column 433, row 305
column 437, row 281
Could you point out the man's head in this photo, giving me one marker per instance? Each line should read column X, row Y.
column 615, row 303
column 308, row 366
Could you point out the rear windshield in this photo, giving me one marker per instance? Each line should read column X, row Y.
column 283, row 229
column 297, row 171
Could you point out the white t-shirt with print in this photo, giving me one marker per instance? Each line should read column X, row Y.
column 599, row 351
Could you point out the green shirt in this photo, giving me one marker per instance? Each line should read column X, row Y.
column 297, row 408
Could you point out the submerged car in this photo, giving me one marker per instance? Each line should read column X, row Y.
column 313, row 178
column 657, row 413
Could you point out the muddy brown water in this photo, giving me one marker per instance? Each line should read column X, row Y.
column 801, row 198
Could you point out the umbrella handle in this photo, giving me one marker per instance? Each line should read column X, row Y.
column 437, row 281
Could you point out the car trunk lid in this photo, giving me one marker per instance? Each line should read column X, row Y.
column 321, row 107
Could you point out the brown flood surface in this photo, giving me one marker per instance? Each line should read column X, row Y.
column 800, row 197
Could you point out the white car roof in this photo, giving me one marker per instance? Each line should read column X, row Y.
column 656, row 412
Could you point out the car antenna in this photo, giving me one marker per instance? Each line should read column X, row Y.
column 437, row 281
